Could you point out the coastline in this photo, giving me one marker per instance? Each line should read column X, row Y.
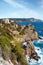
column 12, row 36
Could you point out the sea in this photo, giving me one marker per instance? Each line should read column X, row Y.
column 38, row 44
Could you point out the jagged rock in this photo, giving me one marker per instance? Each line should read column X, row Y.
column 30, row 50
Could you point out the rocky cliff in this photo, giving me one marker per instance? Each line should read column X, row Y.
column 12, row 36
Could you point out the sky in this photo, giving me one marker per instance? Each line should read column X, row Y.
column 21, row 9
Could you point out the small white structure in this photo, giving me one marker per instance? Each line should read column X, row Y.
column 6, row 20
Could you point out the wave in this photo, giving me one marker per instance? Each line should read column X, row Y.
column 41, row 37
column 40, row 41
column 40, row 53
column 39, row 49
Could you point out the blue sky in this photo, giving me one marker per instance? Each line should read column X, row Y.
column 21, row 9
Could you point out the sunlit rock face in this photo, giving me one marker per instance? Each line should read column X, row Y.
column 34, row 35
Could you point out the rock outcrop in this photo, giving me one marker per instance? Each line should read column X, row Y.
column 12, row 36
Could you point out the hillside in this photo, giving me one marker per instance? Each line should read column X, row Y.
column 12, row 35
column 26, row 19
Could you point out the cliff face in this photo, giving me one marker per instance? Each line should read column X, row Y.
column 12, row 36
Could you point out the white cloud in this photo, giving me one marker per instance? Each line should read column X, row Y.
column 13, row 3
column 22, row 12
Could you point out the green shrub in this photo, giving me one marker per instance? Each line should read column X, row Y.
column 4, row 41
column 19, row 53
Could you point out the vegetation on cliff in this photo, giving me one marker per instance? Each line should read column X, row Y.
column 10, row 42
column 12, row 51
